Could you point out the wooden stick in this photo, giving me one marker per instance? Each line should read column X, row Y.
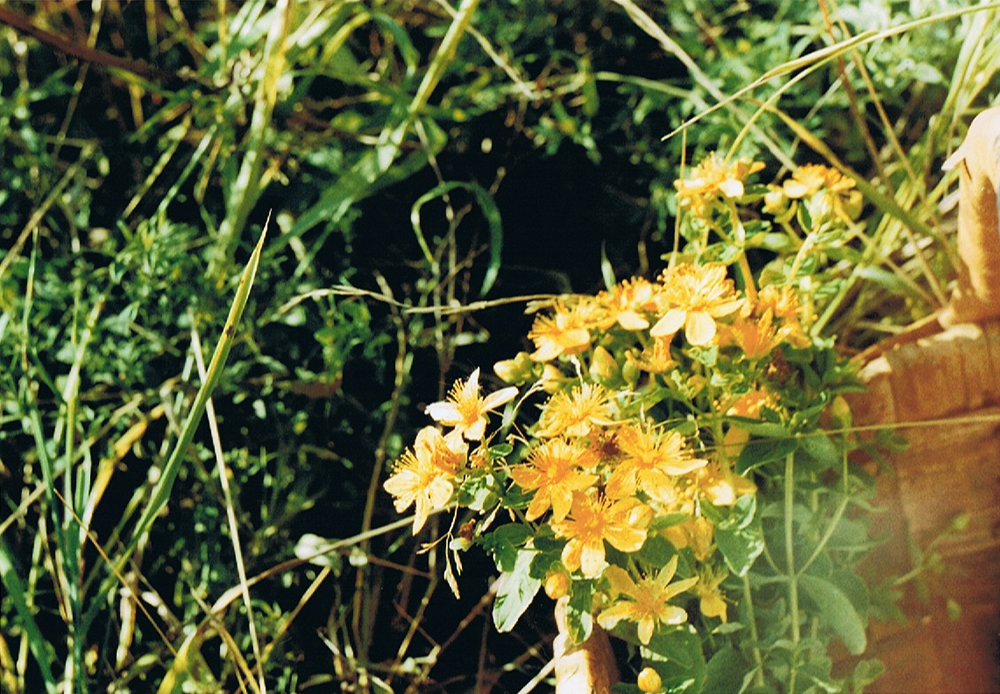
column 977, row 295
column 585, row 668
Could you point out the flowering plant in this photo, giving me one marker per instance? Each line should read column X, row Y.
column 683, row 482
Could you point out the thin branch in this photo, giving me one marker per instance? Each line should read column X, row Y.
column 139, row 68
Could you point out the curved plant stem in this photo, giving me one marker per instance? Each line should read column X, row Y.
column 834, row 522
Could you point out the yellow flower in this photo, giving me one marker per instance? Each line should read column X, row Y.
column 593, row 520
column 552, row 470
column 713, row 178
column 655, row 358
column 839, row 195
column 424, row 475
column 810, row 179
column 781, row 301
column 576, row 412
column 695, row 296
column 755, row 338
column 556, row 584
column 783, row 304
column 749, row 404
column 696, row 533
column 648, row 601
column 651, row 460
column 466, row 410
column 723, row 487
column 566, row 332
column 629, row 301
column 711, row 603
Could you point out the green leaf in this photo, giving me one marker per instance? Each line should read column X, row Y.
column 853, row 586
column 866, row 672
column 161, row 491
column 501, row 450
column 478, row 492
column 837, row 610
column 823, row 451
column 580, row 610
column 188, row 667
column 885, row 279
column 656, row 551
column 741, row 513
column 607, row 269
column 677, row 656
column 757, row 453
column 740, row 547
column 757, row 427
column 724, row 669
column 515, row 591
column 503, row 544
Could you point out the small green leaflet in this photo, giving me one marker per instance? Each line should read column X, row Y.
column 761, row 452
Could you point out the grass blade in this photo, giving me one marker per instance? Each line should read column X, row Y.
column 161, row 492
column 39, row 646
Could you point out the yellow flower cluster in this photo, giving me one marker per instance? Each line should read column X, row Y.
column 596, row 466
column 687, row 298
column 425, row 476
column 825, row 191
column 712, row 179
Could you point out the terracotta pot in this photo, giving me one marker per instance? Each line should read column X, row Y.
column 945, row 390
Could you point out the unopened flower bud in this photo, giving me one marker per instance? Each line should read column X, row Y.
column 853, row 203
column 557, row 585
column 517, row 370
column 840, row 412
column 649, row 680
column 603, row 367
column 960, row 522
column 630, row 372
column 775, row 200
column 551, row 378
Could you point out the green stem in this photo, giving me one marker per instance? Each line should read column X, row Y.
column 834, row 522
column 793, row 578
column 741, row 240
column 757, row 658
column 245, row 190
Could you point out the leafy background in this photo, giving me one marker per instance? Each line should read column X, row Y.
column 413, row 157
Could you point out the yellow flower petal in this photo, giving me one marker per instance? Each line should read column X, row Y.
column 699, row 328
column 669, row 324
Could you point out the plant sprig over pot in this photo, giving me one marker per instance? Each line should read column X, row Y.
column 672, row 458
